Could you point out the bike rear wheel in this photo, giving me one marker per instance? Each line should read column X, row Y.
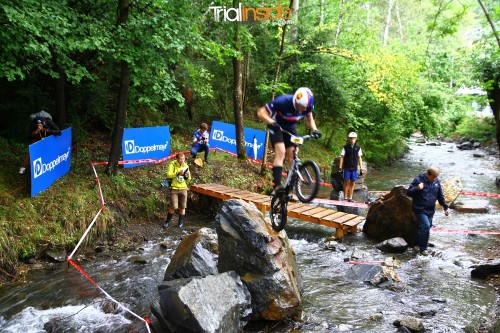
column 308, row 181
column 278, row 213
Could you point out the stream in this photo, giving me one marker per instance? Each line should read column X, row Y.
column 438, row 286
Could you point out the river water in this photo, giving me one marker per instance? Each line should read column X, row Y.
column 439, row 287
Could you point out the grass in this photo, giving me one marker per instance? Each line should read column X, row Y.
column 56, row 218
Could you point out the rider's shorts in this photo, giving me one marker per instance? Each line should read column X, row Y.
column 282, row 137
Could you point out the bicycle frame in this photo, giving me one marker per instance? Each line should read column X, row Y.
column 296, row 163
column 294, row 181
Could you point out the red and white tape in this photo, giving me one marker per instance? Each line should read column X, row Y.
column 481, row 194
column 465, row 232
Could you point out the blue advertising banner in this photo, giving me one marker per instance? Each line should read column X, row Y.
column 223, row 136
column 145, row 143
column 50, row 159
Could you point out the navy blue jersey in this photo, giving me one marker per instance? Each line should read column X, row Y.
column 424, row 201
column 283, row 111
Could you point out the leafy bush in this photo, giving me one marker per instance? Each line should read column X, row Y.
column 479, row 128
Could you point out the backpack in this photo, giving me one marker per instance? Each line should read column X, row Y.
column 40, row 114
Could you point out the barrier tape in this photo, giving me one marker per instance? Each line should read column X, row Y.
column 465, row 232
column 480, row 194
column 146, row 320
column 69, row 259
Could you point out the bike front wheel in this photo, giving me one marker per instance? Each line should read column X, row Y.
column 278, row 213
column 308, row 181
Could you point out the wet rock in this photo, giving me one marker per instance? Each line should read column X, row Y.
column 335, row 246
column 196, row 255
column 465, row 145
column 403, row 329
column 479, row 155
column 214, row 303
column 415, row 325
column 420, row 140
column 262, row 257
column 137, row 260
column 433, row 143
column 482, row 271
column 372, row 274
column 393, row 245
column 108, row 306
column 439, row 300
column 56, row 257
column 392, row 216
column 472, row 206
column 56, row 325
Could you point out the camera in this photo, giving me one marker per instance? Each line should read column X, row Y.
column 166, row 183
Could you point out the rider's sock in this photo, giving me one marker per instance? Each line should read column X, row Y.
column 277, row 171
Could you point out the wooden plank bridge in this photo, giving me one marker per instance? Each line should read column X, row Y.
column 342, row 222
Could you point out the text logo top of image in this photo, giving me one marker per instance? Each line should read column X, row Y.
column 277, row 13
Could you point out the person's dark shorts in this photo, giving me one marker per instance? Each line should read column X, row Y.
column 282, row 137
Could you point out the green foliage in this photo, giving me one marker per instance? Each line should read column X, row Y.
column 479, row 128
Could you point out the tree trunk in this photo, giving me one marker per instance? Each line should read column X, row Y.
column 494, row 97
column 490, row 21
column 237, row 99
column 339, row 23
column 121, row 111
column 388, row 22
column 494, row 92
column 60, row 110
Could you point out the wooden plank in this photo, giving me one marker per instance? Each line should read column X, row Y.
column 315, row 211
column 324, row 213
column 295, row 205
column 354, row 221
column 262, row 200
column 346, row 218
column 334, row 216
column 301, row 209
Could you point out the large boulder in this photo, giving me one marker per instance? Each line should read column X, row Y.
column 214, row 303
column 262, row 257
column 196, row 255
column 392, row 216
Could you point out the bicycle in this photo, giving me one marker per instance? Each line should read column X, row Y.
column 304, row 177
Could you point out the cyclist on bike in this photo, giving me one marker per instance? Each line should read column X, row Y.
column 284, row 112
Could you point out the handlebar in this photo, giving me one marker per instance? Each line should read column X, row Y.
column 305, row 137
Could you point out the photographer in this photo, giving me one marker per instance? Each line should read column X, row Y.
column 200, row 141
column 40, row 128
column 178, row 171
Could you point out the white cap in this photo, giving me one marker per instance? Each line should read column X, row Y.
column 352, row 135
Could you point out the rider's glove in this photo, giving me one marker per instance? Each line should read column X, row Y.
column 316, row 134
column 274, row 127
column 341, row 170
